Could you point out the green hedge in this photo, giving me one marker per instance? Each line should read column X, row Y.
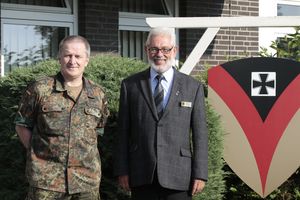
column 107, row 70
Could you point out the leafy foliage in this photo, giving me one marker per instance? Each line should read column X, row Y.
column 12, row 166
column 215, row 187
column 286, row 47
column 109, row 70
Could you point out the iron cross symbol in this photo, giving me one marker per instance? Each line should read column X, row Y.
column 263, row 84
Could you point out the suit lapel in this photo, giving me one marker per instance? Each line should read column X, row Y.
column 146, row 91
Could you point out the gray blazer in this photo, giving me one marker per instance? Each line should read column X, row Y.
column 175, row 145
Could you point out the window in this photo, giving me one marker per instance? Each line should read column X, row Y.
column 133, row 29
column 32, row 30
column 54, row 3
column 133, row 44
column 25, row 45
column 288, row 10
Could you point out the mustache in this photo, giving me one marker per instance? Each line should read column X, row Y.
column 158, row 57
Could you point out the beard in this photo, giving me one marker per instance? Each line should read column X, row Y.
column 162, row 68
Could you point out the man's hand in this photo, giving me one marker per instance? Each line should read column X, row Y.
column 124, row 182
column 198, row 186
column 24, row 135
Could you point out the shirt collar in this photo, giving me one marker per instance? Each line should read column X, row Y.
column 168, row 75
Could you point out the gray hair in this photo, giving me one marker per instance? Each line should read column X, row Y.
column 162, row 31
column 74, row 38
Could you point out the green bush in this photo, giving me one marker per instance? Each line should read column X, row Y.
column 215, row 187
column 13, row 183
column 108, row 71
column 285, row 47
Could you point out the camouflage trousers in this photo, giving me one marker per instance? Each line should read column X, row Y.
column 41, row 194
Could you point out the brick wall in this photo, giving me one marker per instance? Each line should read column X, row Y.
column 229, row 43
column 98, row 22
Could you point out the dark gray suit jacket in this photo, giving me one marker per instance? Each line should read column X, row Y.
column 175, row 145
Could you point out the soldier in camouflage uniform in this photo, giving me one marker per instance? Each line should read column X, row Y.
column 57, row 121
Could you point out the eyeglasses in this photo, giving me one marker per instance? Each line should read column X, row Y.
column 155, row 50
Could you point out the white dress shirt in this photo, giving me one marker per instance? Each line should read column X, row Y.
column 166, row 82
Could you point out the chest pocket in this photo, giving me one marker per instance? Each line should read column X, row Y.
column 52, row 119
column 51, row 108
column 93, row 116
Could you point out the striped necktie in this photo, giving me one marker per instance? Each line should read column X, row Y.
column 159, row 95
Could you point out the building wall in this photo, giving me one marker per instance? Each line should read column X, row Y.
column 229, row 43
column 98, row 22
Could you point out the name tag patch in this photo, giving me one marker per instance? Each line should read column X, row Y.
column 186, row 104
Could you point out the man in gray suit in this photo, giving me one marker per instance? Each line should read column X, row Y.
column 161, row 150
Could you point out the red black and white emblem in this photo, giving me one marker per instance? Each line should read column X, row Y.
column 263, row 84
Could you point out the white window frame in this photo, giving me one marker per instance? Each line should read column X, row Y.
column 19, row 14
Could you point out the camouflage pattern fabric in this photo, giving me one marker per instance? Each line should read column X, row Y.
column 40, row 194
column 63, row 156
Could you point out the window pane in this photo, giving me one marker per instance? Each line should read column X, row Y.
column 54, row 3
column 27, row 44
column 144, row 6
column 288, row 10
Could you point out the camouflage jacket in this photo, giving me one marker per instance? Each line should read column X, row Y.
column 63, row 155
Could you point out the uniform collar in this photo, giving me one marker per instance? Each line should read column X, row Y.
column 60, row 87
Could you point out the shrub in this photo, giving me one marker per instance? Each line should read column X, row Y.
column 215, row 187
column 285, row 47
